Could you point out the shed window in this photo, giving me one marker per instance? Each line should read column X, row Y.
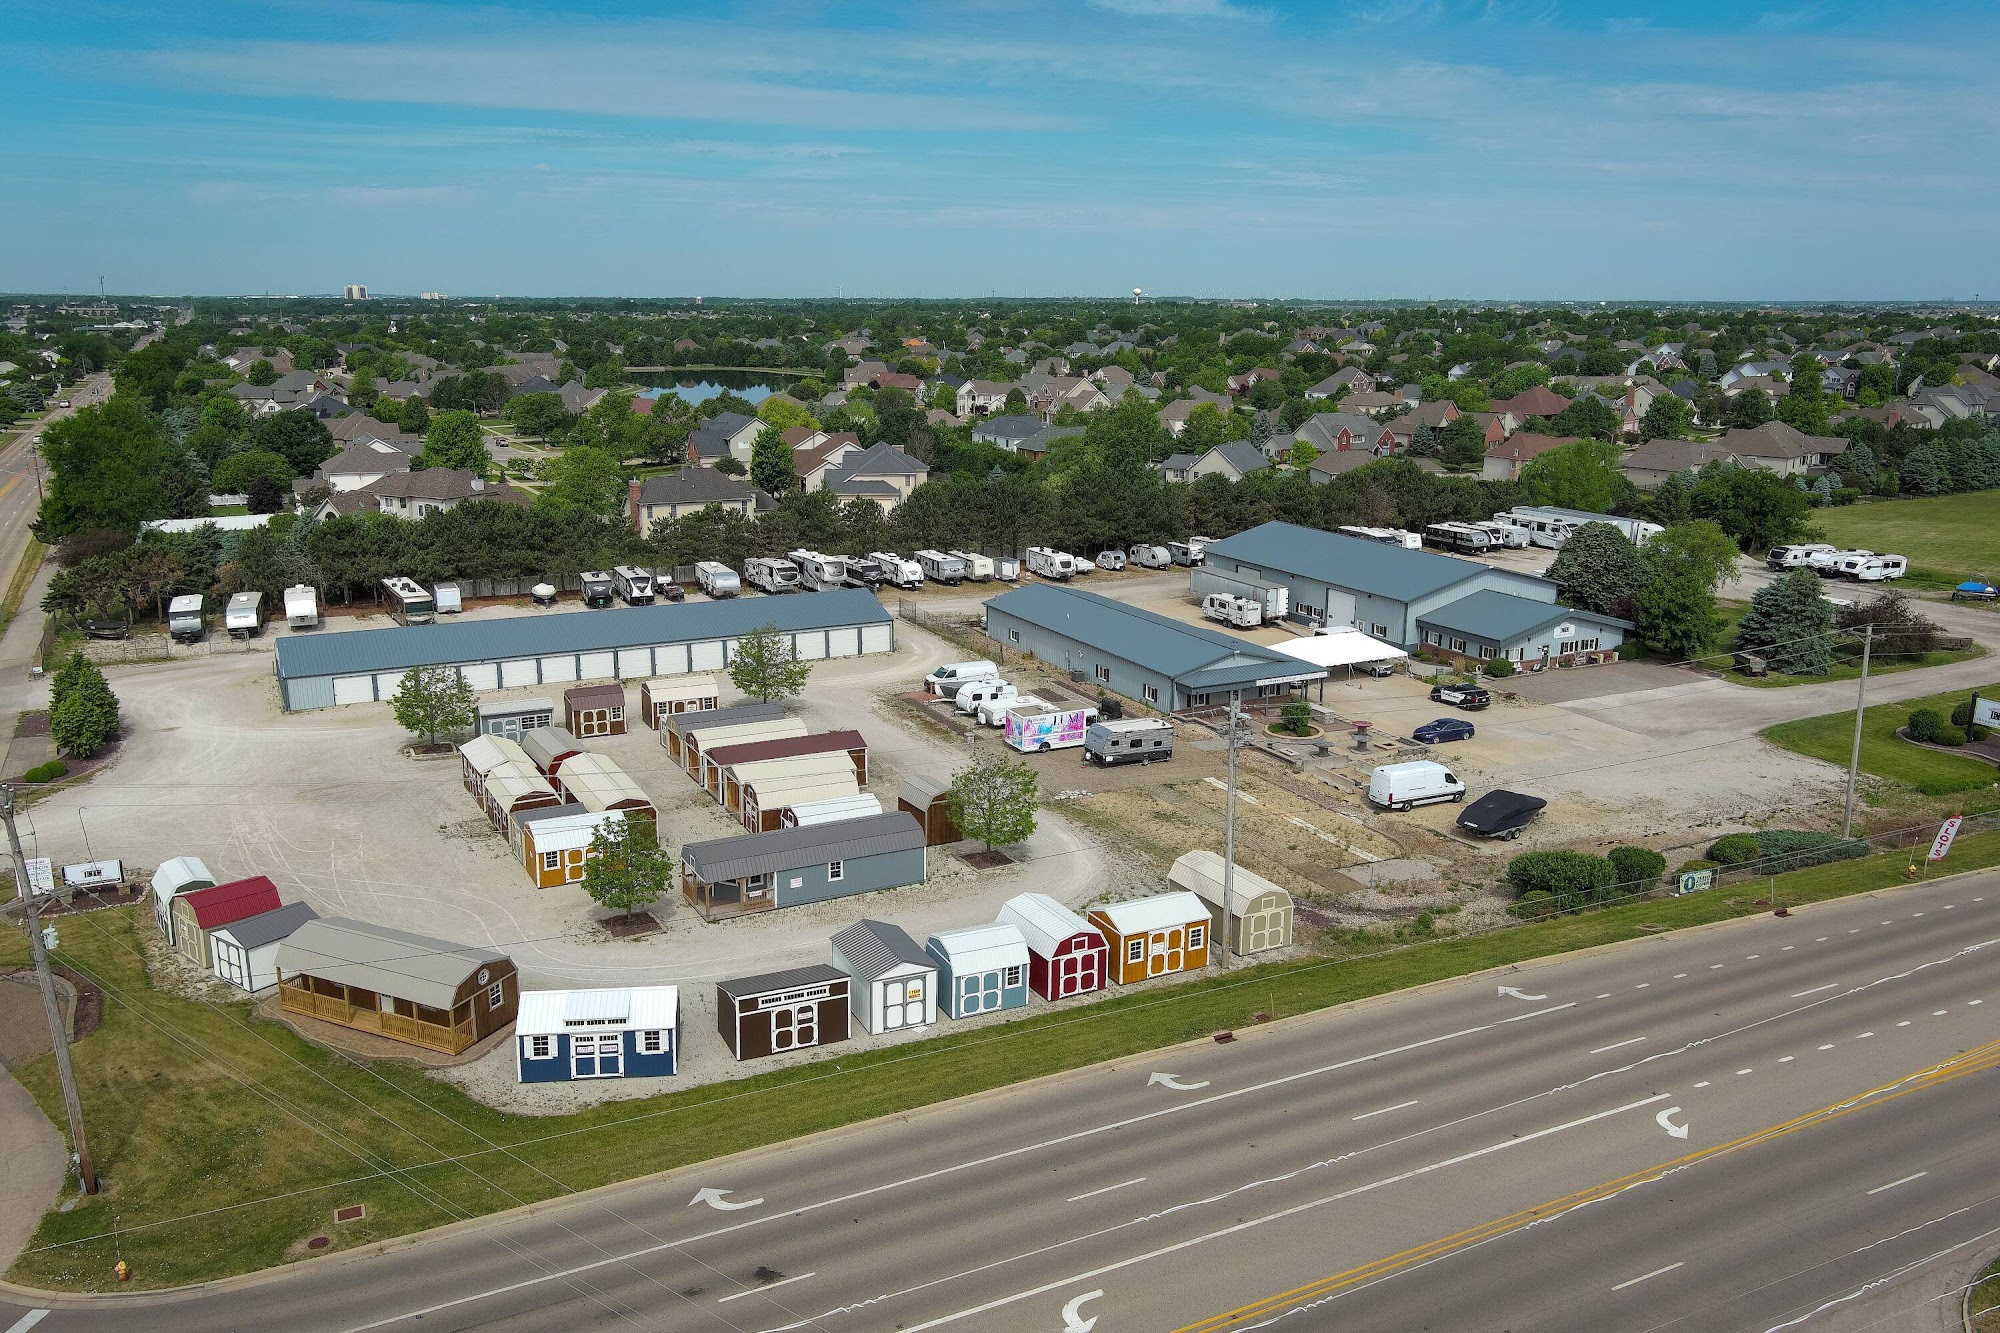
column 1135, row 951
column 1104, row 674
column 1578, row 646
column 552, row 860
column 541, row 1048
column 1379, row 631
column 1487, row 652
column 652, row 1041
column 1457, row 644
column 1196, row 936
column 496, row 994
column 1013, row 636
column 836, row 870
column 1151, row 693
column 1013, row 976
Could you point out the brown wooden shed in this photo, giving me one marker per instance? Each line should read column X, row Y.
column 782, row 1011
column 410, row 988
column 929, row 799
column 595, row 710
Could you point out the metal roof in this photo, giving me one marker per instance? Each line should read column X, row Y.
column 566, row 827
column 682, row 723
column 1200, row 873
column 710, row 739
column 225, row 903
column 512, row 707
column 876, row 948
column 834, row 809
column 1044, row 922
column 1170, row 648
column 589, row 696
column 804, row 788
column 744, row 753
column 790, row 979
column 179, row 874
column 818, row 765
column 482, row 754
column 597, row 783
column 980, row 948
column 399, row 649
column 1341, row 561
column 547, row 1012
column 1502, row 618
column 511, row 781
column 789, row 848
column 391, row 962
column 920, row 789
column 545, row 746
column 254, row 932
column 1159, row 912
column 693, row 685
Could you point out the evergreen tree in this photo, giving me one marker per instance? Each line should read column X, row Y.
column 1598, row 569
column 1790, row 625
column 771, row 469
column 1926, row 470
column 83, row 712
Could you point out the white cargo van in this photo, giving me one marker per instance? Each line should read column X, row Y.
column 945, row 681
column 1422, row 782
column 974, row 693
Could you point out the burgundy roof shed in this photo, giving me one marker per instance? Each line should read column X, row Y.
column 234, row 901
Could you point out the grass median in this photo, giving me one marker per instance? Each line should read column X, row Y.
column 1886, row 755
column 226, row 1141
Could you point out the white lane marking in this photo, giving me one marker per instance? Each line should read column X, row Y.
column 1616, row 1044
column 1679, row 975
column 1863, row 1035
column 1975, row 1002
column 1905, row 1023
column 1948, row 906
column 1855, row 931
column 1816, row 989
column 1079, row 1198
column 759, row 1291
column 1218, row 1234
column 28, row 1321
column 1827, row 1047
column 1075, row 1136
column 1753, row 957
column 1788, row 948
column 1399, row 1106
column 1888, row 923
column 1642, row 985
column 1904, row 1181
column 1741, row 1072
column 1635, row 1281
column 1937, row 1013
column 1820, row 940
column 1174, row 1081
column 1715, row 967
column 1916, row 914
column 1702, row 1084
column 1605, row 996
column 1509, row 993
column 1073, row 1320
column 1786, row 1059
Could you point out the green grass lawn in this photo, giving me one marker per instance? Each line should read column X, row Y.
column 1984, row 1302
column 1948, row 538
column 1931, row 772
column 1846, row 658
column 227, row 1141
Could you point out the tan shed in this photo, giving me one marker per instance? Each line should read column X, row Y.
column 697, row 743
column 599, row 784
column 1260, row 913
column 665, row 696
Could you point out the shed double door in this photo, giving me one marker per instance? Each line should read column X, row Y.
column 591, row 721
column 232, row 963
column 596, row 1055
column 1264, row 930
column 1076, row 973
column 1165, row 951
column 903, row 1002
column 978, row 993
column 795, row 1027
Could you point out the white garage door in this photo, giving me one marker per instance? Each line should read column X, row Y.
column 596, row 666
column 878, row 638
column 843, row 642
column 521, row 671
column 706, row 656
column 558, row 668
column 481, row 675
column 353, row 689
column 809, row 643
column 635, row 663
column 387, row 683
column 670, row 659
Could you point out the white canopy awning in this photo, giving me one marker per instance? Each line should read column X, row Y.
column 1341, row 645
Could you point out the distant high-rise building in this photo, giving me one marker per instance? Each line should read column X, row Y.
column 431, row 296
column 357, row 291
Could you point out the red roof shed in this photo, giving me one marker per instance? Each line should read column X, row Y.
column 226, row 903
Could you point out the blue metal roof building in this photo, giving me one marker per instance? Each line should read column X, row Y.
column 360, row 666
column 1489, row 624
column 1165, row 663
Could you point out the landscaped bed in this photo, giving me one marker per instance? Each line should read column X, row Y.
column 1886, row 755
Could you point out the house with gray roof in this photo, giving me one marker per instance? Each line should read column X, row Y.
column 412, row 495
column 1005, row 432
column 664, row 497
column 724, row 435
column 761, row 872
column 1234, row 459
column 882, row 473
column 410, row 988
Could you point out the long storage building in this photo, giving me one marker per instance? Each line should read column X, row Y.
column 756, row 872
column 636, row 643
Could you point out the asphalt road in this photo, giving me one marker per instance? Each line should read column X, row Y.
column 1457, row 1158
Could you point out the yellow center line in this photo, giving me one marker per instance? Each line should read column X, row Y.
column 1973, row 1061
column 18, row 476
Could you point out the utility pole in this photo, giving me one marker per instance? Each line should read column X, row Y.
column 1860, row 712
column 1229, row 825
column 58, row 1030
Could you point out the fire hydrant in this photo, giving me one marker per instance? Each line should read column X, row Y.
column 124, row 1271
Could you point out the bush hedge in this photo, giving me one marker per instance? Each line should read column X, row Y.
column 1575, row 875
column 1500, row 668
column 48, row 772
column 1928, row 725
column 1734, row 849
column 1961, row 717
column 1639, row 866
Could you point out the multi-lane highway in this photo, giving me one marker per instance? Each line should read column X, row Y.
column 1756, row 1126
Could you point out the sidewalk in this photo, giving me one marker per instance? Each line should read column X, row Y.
column 34, row 1159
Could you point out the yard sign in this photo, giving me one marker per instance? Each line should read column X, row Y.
column 1942, row 843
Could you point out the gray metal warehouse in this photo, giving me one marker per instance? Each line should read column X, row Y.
column 362, row 666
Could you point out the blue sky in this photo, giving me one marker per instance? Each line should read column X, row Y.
column 1349, row 148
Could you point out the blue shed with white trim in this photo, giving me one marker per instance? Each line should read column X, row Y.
column 565, row 1035
column 980, row 969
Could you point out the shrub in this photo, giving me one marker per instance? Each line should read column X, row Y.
column 1734, row 849
column 1699, row 863
column 48, row 772
column 1534, row 905
column 1297, row 717
column 1637, row 865
column 1928, row 726
column 1499, row 668
column 1795, row 849
column 1572, row 875
column 1961, row 717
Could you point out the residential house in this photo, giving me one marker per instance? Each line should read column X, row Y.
column 243, row 358
column 664, row 497
column 1243, row 383
column 1352, row 379
column 411, row 495
column 1373, row 403
column 1006, row 432
column 895, row 379
column 724, row 435
column 1506, row 458
column 576, row 399
column 1536, row 401
column 1174, row 416
column 1338, row 432
column 1656, row 460
column 1234, row 459
column 360, row 464
column 882, row 473
column 815, row 459
column 982, row 397
column 862, row 372
column 1783, row 449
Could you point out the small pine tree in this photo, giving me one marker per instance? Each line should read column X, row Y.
column 434, row 701
column 766, row 667
column 1790, row 625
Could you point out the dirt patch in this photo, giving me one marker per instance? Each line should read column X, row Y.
column 987, row 860
column 31, row 724
column 89, row 1002
column 93, row 901
column 630, row 927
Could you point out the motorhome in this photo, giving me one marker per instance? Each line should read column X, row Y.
column 978, row 568
column 945, row 681
column 1405, row 786
column 244, row 616
column 771, row 573
column 185, row 620
column 819, row 572
column 901, row 573
column 1230, row 609
column 447, row 598
column 1458, row 537
column 409, row 601
column 1796, row 557
column 1131, row 740
column 1040, row 730
column 301, row 606
column 974, row 693
column 717, row 579
column 1187, row 552
column 1150, row 557
column 635, row 585
column 1111, row 560
column 993, row 712
column 599, row 588
column 1049, row 563
column 941, row 568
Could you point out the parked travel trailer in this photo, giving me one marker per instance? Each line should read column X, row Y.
column 1187, row 552
column 1273, row 600
column 941, row 568
column 1049, row 728
column 946, row 680
column 993, row 712
column 1882, row 567
column 1130, row 740
column 185, row 619
column 1825, row 563
column 1795, row 557
column 1458, row 537
column 978, row 568
column 1404, row 786
column 244, row 616
column 447, row 598
column 1551, row 527
column 866, row 572
column 1388, row 536
column 1111, row 560
column 634, row 585
column 599, row 588
column 970, row 696
column 1232, row 610
column 409, row 601
column 1150, row 557
column 1083, row 565
column 771, row 573
column 717, row 579
column 301, row 606
column 901, row 573
column 1006, row 568
column 819, row 572
column 1049, row 563
column 1501, row 534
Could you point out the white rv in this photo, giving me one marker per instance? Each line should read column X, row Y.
column 1187, row 552
column 1387, row 536
column 717, row 579
column 1113, row 560
column 635, row 585
column 1049, row 563
column 244, row 616
column 1551, row 527
column 1875, row 569
column 993, row 712
column 1458, row 537
column 901, row 573
column 1131, row 740
column 771, row 573
column 301, row 606
column 941, row 568
column 1501, row 534
column 945, row 681
column 447, row 598
column 410, row 601
column 978, row 568
column 598, row 587
column 1796, row 557
column 1150, row 557
column 819, row 572
column 185, row 620
column 1232, row 610
column 974, row 693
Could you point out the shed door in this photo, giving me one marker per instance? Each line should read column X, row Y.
column 903, row 1002
column 844, row 642
column 635, row 663
column 481, row 675
column 558, row 668
column 795, row 1027
column 1077, row 973
column 978, row 993
column 1263, row 930
column 519, row 672
column 231, row 964
column 705, row 656
column 1163, row 952
column 596, row 1055
column 354, row 689
column 596, row 666
column 878, row 638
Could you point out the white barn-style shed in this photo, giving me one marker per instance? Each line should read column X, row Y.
column 182, row 874
column 894, row 982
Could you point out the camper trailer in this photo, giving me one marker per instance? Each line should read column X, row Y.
column 1796, row 557
column 186, row 621
column 901, row 573
column 1457, row 537
column 1551, row 527
column 1049, row 563
column 1881, row 567
column 244, row 616
column 447, row 599
column 634, row 585
column 1150, row 557
column 1230, row 609
column 409, row 601
column 1187, row 552
column 599, row 588
column 1402, row 537
column 301, row 606
column 866, row 572
column 1130, row 740
column 941, row 568
column 973, row 694
column 771, row 573
column 1007, row 568
column 993, row 712
column 1113, row 560
column 1501, row 534
column 1044, row 729
column 1274, row 600
column 819, row 572
column 978, row 568
column 717, row 579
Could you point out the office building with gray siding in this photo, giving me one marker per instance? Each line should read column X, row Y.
column 1490, row 624
column 759, row 872
column 1166, row 664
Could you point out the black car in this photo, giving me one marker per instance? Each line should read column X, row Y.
column 1471, row 698
column 1500, row 814
column 105, row 629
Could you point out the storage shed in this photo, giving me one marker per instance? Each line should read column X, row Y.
column 698, row 742
column 980, row 968
column 673, row 727
column 547, row 748
column 1260, row 913
column 636, row 643
column 597, row 784
column 664, row 696
column 554, row 841
column 177, row 875
column 716, row 760
column 595, row 710
column 246, row 951
column 757, row 872
column 511, row 717
column 782, row 1011
column 514, row 787
column 484, row 753
column 410, row 988
column 1066, row 954
column 200, row 912
column 809, row 814
column 894, row 982
column 765, row 795
column 928, row 801
column 563, row 1035
column 1151, row 937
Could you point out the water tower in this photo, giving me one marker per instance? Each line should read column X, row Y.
column 1136, row 295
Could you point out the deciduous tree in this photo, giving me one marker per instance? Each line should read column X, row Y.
column 455, row 440
column 434, row 701
column 625, row 869
column 994, row 799
column 766, row 667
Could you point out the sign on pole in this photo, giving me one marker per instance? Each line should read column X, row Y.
column 41, row 876
column 1942, row 843
column 1985, row 712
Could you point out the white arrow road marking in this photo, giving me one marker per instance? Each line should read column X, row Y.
column 1509, row 993
column 1075, row 1323
column 716, row 1198
column 1666, row 1122
column 1173, row 1081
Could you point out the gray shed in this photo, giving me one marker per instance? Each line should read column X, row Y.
column 674, row 727
column 757, row 872
column 246, row 951
column 511, row 717
column 894, row 981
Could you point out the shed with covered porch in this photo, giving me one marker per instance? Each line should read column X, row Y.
column 758, row 872
column 410, row 988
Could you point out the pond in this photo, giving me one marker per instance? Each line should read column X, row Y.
column 698, row 386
